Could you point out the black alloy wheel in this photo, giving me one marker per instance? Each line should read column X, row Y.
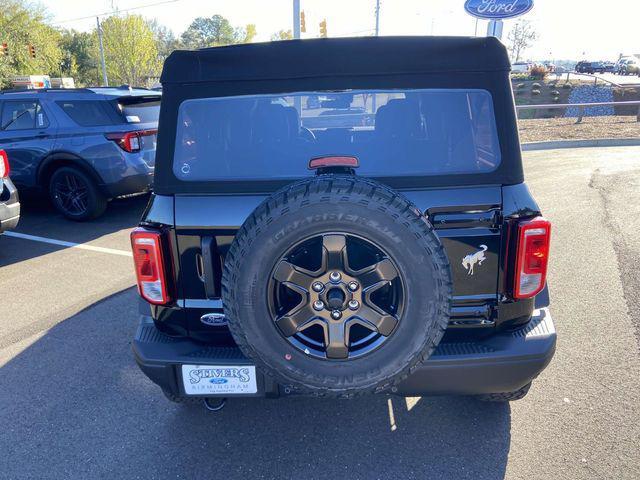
column 336, row 296
column 75, row 194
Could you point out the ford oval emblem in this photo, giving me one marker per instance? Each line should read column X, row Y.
column 218, row 381
column 214, row 319
column 497, row 9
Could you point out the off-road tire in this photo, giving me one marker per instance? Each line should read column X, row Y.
column 324, row 204
column 96, row 201
column 505, row 396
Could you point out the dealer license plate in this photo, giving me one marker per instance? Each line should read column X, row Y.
column 219, row 379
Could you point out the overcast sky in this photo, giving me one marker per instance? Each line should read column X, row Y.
column 568, row 29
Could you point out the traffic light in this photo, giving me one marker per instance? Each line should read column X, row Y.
column 303, row 24
column 323, row 28
column 4, row 49
column 32, row 51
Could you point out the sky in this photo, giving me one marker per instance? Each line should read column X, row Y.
column 567, row 29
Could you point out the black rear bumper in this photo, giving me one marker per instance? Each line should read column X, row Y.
column 504, row 362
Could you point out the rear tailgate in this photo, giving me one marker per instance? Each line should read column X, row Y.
column 467, row 221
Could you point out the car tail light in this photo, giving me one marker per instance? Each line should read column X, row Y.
column 4, row 164
column 150, row 265
column 130, row 141
column 532, row 255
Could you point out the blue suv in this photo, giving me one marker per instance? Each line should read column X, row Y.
column 81, row 146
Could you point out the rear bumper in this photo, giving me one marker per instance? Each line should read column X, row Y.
column 129, row 185
column 9, row 206
column 502, row 363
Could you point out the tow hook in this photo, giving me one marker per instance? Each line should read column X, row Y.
column 214, row 404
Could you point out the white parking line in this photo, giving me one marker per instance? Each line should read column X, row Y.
column 63, row 243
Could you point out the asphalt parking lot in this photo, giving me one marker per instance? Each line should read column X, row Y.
column 74, row 405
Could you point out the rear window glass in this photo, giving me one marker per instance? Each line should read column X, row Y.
column 140, row 110
column 392, row 133
column 90, row 113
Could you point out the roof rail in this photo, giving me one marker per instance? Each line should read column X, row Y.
column 39, row 90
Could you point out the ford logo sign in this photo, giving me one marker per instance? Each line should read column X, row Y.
column 214, row 319
column 496, row 9
column 218, row 381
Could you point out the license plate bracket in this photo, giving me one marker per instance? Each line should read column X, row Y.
column 223, row 380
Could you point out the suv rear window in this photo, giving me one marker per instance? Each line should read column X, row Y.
column 93, row 113
column 140, row 109
column 90, row 113
column 391, row 132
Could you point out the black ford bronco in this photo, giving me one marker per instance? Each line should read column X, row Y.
column 337, row 217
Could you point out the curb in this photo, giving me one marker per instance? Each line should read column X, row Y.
column 600, row 142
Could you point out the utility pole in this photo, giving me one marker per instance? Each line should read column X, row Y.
column 296, row 18
column 105, row 80
column 297, row 101
column 374, row 105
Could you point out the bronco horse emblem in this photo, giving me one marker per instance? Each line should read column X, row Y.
column 470, row 260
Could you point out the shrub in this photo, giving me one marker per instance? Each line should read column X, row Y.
column 538, row 72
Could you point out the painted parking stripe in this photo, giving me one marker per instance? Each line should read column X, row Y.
column 63, row 243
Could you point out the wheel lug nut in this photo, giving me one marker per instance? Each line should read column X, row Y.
column 335, row 276
column 318, row 305
column 353, row 286
column 354, row 304
column 317, row 287
column 336, row 314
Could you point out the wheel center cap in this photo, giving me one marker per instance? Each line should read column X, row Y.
column 335, row 299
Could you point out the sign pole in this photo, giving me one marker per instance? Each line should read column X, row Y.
column 494, row 29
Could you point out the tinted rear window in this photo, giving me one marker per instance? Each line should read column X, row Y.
column 90, row 113
column 392, row 133
column 139, row 109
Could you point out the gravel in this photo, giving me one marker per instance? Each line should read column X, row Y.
column 545, row 129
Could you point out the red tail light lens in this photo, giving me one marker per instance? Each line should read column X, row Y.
column 130, row 141
column 149, row 262
column 532, row 257
column 4, row 164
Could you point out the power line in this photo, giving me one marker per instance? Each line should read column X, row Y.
column 115, row 11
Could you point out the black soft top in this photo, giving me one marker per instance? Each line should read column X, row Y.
column 339, row 64
column 336, row 57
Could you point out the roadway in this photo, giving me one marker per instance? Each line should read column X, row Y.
column 74, row 405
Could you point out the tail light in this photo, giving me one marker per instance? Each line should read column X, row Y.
column 130, row 141
column 150, row 265
column 532, row 256
column 4, row 164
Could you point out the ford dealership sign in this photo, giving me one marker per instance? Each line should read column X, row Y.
column 497, row 9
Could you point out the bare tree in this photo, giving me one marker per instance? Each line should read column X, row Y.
column 521, row 37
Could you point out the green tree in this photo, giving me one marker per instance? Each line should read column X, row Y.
column 80, row 57
column 23, row 24
column 166, row 41
column 282, row 35
column 130, row 50
column 250, row 33
column 214, row 31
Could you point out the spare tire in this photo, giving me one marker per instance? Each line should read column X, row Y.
column 337, row 286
